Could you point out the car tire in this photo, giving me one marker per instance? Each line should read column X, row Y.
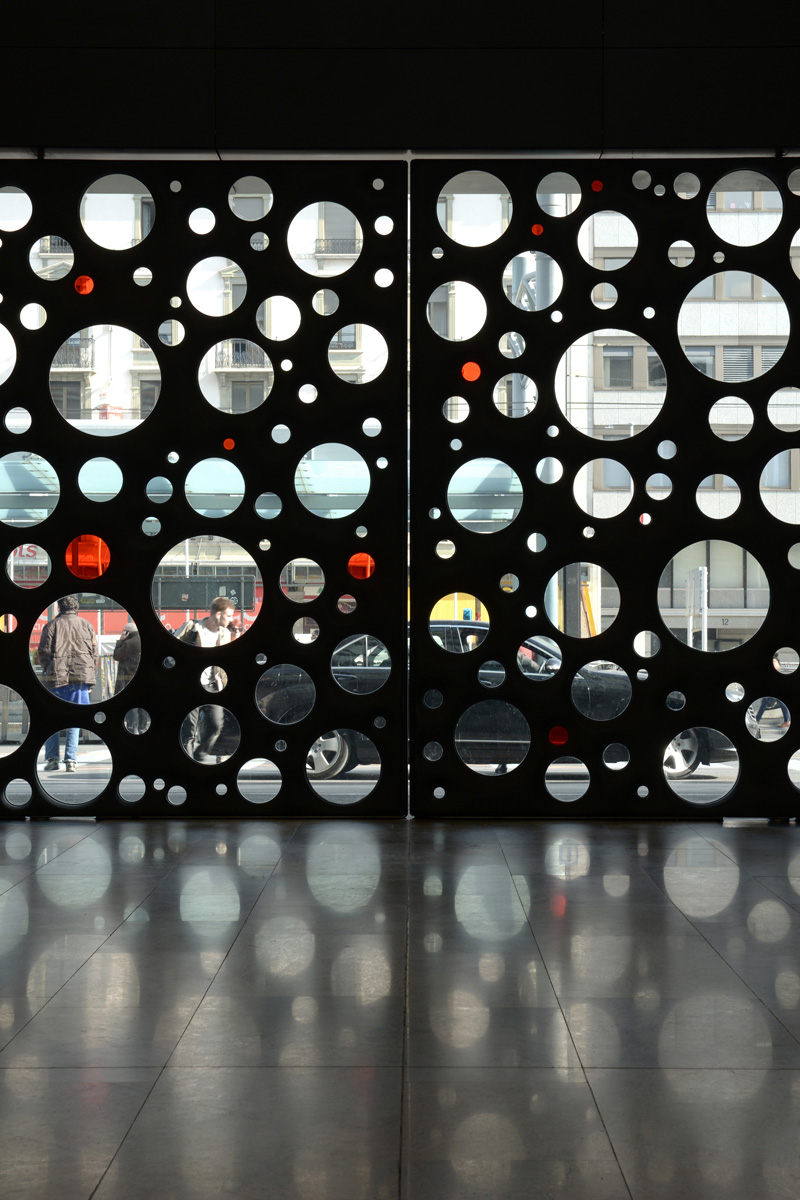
column 682, row 757
column 328, row 756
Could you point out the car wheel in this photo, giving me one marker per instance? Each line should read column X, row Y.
column 682, row 756
column 328, row 756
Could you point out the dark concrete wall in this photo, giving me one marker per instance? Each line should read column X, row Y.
column 588, row 75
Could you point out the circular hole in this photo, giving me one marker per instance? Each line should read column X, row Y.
column 783, row 410
column 305, row 630
column 558, row 194
column 681, row 253
column 492, row 674
column 201, row 220
column 228, row 389
column 151, row 526
column 646, row 644
column 384, row 277
column 365, row 366
column 667, row 449
column 601, row 690
column 137, row 720
column 750, row 303
column 100, row 718
column 659, row 189
column 484, row 495
column 176, row 795
column 17, row 793
column 603, row 488
column 168, row 663
column 615, row 396
column 214, row 488
column 285, row 694
column 213, row 679
column 658, row 486
column 616, row 756
column 549, row 470
column 79, row 774
column 268, row 506
column 201, row 608
column 445, row 548
column 692, row 578
column 434, row 513
column 768, row 719
column 734, row 692
column 208, row 286
column 642, row 675
column 456, row 409
column 720, row 765
column 731, row 418
column 100, row 479
column 28, row 566
column 604, row 295
column 259, row 241
column 32, row 316
column 675, row 701
column 250, row 198
column 15, row 209
column 325, row 239
column 91, row 397
column 259, row 780
column 325, row 302
column 718, row 257
column 278, row 318
column 492, row 737
column 17, row 420
column 515, row 395
column 175, row 185
column 534, row 281
column 337, row 751
column 131, row 788
column 210, row 734
column 648, row 313
column 361, row 531
column 432, row 751
column 582, row 599
column 608, row 240
column 332, row 480
column 158, row 489
column 456, row 444
column 384, row 225
column 476, row 210
column 346, row 603
column 512, row 345
column 87, row 556
column 458, row 623
column 641, row 180
column 509, row 582
column 117, row 212
column 531, row 610
column 686, row 185
column 456, row 311
column 361, row 664
column 281, row 434
column 307, row 393
column 744, row 208
column 538, row 658
column 433, row 698
column 643, row 792
column 567, row 779
column 786, row 660
column 286, row 364
column 715, row 502
column 437, row 252
column 302, row 580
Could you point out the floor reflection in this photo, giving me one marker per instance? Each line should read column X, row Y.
column 399, row 1010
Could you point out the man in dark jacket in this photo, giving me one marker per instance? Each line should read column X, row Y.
column 68, row 654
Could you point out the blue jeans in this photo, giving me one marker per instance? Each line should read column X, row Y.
column 75, row 693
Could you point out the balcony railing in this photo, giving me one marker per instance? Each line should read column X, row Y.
column 339, row 245
column 54, row 245
column 79, row 353
column 236, row 353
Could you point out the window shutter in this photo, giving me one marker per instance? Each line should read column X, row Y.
column 737, row 363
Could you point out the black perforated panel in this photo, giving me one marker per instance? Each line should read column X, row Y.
column 680, row 732
column 323, row 390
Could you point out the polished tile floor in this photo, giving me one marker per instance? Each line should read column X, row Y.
column 399, row 1011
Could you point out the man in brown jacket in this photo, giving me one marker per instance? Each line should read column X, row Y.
column 68, row 654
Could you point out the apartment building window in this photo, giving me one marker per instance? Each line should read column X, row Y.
column 770, row 355
column 149, row 391
column 339, row 234
column 346, row 340
column 738, row 285
column 246, row 394
column 702, row 358
column 618, row 366
column 737, row 363
column 148, row 216
column 66, row 396
column 776, row 473
column 656, row 371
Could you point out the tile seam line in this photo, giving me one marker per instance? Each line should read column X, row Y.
column 165, row 1065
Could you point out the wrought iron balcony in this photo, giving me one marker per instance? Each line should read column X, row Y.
column 78, row 353
column 53, row 244
column 339, row 245
column 239, row 353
